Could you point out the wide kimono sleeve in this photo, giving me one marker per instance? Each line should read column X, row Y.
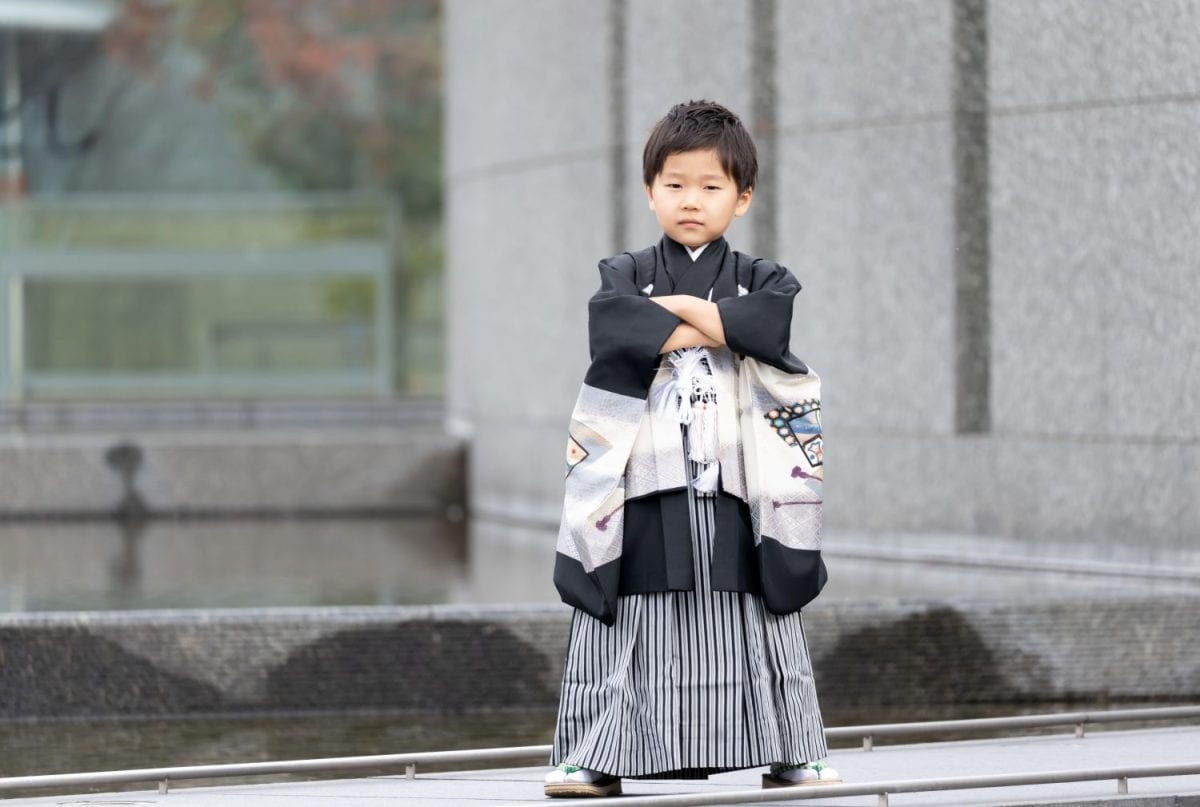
column 758, row 322
column 625, row 330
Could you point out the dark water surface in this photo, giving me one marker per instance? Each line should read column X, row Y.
column 66, row 746
column 71, row 746
column 267, row 562
column 210, row 563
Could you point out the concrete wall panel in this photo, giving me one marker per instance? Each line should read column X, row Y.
column 1094, row 255
column 1107, row 493
column 680, row 50
column 1083, row 51
column 842, row 64
column 520, row 310
column 520, row 87
column 866, row 215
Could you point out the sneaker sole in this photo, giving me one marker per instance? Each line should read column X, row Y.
column 774, row 781
column 582, row 789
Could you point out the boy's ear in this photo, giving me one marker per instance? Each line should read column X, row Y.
column 743, row 202
column 649, row 196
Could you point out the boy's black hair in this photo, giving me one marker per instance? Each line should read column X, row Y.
column 702, row 125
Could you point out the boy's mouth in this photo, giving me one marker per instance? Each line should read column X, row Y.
column 690, row 223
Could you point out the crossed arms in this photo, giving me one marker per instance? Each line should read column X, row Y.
column 701, row 322
column 627, row 331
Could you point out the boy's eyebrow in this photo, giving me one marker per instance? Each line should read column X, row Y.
column 702, row 176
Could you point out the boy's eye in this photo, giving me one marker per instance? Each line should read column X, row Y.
column 674, row 185
column 712, row 187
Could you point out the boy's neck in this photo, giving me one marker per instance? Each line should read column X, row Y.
column 695, row 253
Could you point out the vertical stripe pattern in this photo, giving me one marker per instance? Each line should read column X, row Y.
column 688, row 683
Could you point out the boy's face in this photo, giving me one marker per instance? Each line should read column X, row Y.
column 694, row 199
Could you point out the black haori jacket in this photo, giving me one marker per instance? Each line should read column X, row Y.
column 625, row 526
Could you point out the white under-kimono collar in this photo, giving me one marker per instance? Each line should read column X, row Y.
column 694, row 254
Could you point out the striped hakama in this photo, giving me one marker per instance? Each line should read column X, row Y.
column 688, row 683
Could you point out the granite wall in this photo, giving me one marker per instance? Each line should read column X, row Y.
column 462, row 659
column 990, row 207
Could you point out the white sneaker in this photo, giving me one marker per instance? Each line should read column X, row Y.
column 571, row 780
column 808, row 773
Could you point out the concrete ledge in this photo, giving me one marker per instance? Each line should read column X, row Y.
column 462, row 658
column 410, row 469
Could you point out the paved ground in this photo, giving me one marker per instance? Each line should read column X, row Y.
column 516, row 786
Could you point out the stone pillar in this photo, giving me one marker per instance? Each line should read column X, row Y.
column 529, row 184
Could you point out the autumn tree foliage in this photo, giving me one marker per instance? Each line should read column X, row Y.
column 332, row 94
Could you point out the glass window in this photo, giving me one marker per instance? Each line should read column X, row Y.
column 206, row 199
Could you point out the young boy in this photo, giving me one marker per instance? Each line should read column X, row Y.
column 691, row 518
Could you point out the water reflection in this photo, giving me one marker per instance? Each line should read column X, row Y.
column 136, row 564
column 514, row 563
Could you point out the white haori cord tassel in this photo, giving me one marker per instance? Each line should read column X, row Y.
column 692, row 393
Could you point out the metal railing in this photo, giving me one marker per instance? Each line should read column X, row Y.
column 164, row 776
column 882, row 789
column 867, row 733
column 1077, row 719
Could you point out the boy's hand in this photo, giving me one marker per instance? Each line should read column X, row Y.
column 700, row 314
